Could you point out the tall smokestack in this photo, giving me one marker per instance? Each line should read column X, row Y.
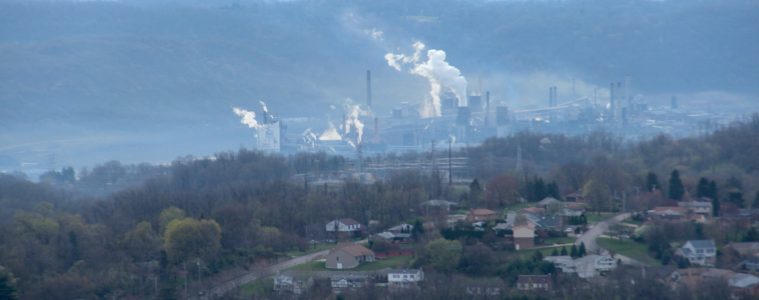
column 368, row 88
column 487, row 108
column 612, row 104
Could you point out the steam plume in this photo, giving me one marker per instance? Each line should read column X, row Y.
column 247, row 117
column 441, row 75
column 353, row 112
column 331, row 134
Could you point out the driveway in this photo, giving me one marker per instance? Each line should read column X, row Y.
column 590, row 236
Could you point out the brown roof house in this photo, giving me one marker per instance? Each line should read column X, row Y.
column 481, row 214
column 348, row 256
column 524, row 237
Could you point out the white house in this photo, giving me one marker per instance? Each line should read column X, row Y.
column 343, row 225
column 586, row 266
column 404, row 277
column 593, row 265
column 699, row 252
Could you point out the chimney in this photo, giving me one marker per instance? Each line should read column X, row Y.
column 613, row 105
column 487, row 108
column 368, row 88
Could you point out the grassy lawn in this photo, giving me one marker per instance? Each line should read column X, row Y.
column 559, row 240
column 256, row 289
column 527, row 254
column 594, row 217
column 311, row 249
column 632, row 249
column 390, row 262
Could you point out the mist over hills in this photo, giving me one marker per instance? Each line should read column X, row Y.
column 147, row 81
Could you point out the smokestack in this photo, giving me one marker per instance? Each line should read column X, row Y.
column 487, row 108
column 368, row 88
column 376, row 130
column 612, row 104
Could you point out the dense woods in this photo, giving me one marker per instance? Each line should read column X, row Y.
column 63, row 239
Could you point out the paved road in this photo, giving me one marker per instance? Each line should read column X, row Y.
column 228, row 286
column 590, row 236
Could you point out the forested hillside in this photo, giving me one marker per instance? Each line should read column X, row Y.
column 239, row 208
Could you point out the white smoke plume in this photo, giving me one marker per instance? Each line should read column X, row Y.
column 263, row 106
column 247, row 117
column 441, row 75
column 331, row 134
column 353, row 121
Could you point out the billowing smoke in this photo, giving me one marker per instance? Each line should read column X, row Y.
column 331, row 134
column 440, row 74
column 247, row 117
column 264, row 107
column 352, row 121
column 309, row 138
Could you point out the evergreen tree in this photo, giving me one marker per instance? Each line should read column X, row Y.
column 581, row 251
column 713, row 189
column 715, row 207
column 552, row 190
column 752, row 235
column 475, row 192
column 573, row 252
column 676, row 189
column 702, row 190
column 652, row 182
column 555, row 252
column 537, row 256
column 756, row 200
column 418, row 230
column 564, row 251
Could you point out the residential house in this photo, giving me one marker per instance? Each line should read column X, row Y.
column 668, row 212
column 397, row 234
column 699, row 252
column 545, row 222
column 343, row 225
column 348, row 281
column 524, row 237
column 698, row 207
column 741, row 285
column 586, row 266
column 574, row 197
column 481, row 214
column 564, row 263
column 594, row 265
column 404, row 277
column 745, row 249
column 534, row 283
column 348, row 256
column 750, row 264
column 548, row 201
column 292, row 283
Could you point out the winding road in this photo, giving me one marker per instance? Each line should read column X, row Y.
column 590, row 236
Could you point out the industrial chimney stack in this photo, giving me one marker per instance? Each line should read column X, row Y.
column 368, row 88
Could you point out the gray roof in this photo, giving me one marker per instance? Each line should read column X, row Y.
column 702, row 244
column 403, row 271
